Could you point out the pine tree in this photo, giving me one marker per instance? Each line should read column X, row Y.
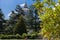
column 12, row 18
column 19, row 10
column 1, row 20
column 20, row 27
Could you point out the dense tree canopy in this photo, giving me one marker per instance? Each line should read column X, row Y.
column 50, row 25
column 48, row 11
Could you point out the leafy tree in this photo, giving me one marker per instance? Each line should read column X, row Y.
column 50, row 25
column 49, row 2
column 20, row 26
column 38, row 5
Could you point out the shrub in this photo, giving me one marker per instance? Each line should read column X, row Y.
column 10, row 37
column 24, row 35
column 32, row 36
column 17, row 36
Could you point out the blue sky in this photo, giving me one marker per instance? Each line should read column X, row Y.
column 9, row 5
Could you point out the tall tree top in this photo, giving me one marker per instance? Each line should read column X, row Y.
column 1, row 13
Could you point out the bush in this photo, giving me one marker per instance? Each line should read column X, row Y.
column 17, row 36
column 10, row 37
column 24, row 35
column 32, row 36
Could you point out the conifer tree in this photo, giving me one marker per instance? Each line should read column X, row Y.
column 20, row 26
column 1, row 20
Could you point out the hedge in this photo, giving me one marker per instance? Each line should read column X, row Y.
column 17, row 36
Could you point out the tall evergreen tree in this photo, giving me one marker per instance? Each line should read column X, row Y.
column 11, row 22
column 19, row 10
column 34, row 18
column 12, row 18
column 20, row 26
column 1, row 20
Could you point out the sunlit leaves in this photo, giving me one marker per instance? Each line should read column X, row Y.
column 38, row 5
column 51, row 23
column 45, row 1
column 58, row 0
column 50, row 19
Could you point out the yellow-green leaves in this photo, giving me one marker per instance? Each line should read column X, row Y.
column 51, row 23
column 44, row 1
column 58, row 0
column 50, row 19
column 38, row 5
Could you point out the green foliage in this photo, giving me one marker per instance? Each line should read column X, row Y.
column 51, row 23
column 20, row 27
column 38, row 5
column 24, row 35
column 12, row 19
column 59, row 1
column 9, row 30
column 33, row 35
column 1, row 20
column 17, row 36
column 1, row 14
column 10, row 37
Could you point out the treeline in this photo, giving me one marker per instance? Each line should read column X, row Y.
column 19, row 22
column 43, row 15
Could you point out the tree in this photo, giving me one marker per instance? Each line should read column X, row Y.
column 20, row 26
column 1, row 20
column 11, row 23
column 50, row 26
column 51, row 23
column 34, row 21
column 19, row 10
column 12, row 19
